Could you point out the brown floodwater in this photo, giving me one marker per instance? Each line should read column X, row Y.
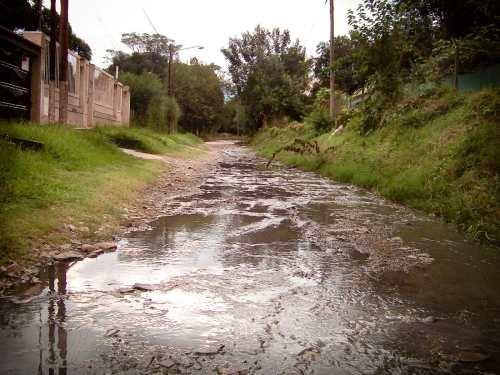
column 267, row 271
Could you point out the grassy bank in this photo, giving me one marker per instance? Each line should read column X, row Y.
column 79, row 178
column 437, row 151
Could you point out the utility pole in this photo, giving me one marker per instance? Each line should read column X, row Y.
column 332, row 59
column 170, row 91
column 63, row 74
column 52, row 62
column 170, row 84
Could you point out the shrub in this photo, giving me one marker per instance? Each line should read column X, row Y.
column 163, row 113
column 320, row 120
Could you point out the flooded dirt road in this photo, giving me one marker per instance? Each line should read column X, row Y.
column 268, row 272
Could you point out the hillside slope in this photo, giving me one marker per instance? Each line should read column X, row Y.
column 436, row 151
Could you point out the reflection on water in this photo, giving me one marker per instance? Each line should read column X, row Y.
column 290, row 272
column 57, row 320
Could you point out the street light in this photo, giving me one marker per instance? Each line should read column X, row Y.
column 173, row 50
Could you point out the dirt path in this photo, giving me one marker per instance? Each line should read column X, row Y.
column 185, row 172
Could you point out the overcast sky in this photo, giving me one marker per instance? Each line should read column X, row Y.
column 209, row 23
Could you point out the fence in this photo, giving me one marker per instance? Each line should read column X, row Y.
column 95, row 97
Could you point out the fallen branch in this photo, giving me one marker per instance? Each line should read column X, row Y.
column 298, row 146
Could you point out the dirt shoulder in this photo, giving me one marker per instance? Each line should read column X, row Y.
column 183, row 173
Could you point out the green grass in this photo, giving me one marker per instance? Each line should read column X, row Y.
column 147, row 140
column 439, row 153
column 79, row 178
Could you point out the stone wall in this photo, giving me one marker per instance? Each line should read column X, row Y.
column 95, row 97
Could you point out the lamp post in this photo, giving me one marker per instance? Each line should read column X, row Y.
column 172, row 50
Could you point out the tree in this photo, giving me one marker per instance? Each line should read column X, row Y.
column 198, row 90
column 269, row 72
column 149, row 54
column 348, row 74
column 455, row 19
column 384, row 45
column 21, row 14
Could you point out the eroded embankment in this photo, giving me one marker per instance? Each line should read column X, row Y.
column 438, row 152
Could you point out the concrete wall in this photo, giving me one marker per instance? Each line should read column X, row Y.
column 95, row 97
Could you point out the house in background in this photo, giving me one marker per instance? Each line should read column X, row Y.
column 95, row 97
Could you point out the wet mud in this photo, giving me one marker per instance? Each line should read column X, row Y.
column 266, row 271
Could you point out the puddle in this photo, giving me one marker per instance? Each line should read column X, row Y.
column 268, row 271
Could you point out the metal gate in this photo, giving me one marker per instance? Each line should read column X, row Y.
column 16, row 56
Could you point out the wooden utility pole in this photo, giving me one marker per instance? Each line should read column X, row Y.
column 63, row 73
column 170, row 83
column 332, row 59
column 52, row 62
column 170, row 70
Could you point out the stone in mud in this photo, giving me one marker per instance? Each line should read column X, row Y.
column 167, row 363
column 210, row 351
column 13, row 268
column 33, row 291
column 71, row 227
column 197, row 366
column 126, row 290
column 48, row 255
column 429, row 319
column 95, row 254
column 470, row 357
column 106, row 246
column 86, row 248
column 66, row 247
column 144, row 287
column 69, row 256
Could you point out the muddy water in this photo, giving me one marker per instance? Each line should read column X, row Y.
column 269, row 272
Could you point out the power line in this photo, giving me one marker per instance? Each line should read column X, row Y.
column 106, row 30
column 149, row 20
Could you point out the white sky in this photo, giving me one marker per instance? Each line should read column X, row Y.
column 209, row 23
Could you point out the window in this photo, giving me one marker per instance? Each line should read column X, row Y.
column 72, row 66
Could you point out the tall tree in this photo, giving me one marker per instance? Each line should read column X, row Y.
column 198, row 90
column 269, row 72
column 348, row 74
column 455, row 19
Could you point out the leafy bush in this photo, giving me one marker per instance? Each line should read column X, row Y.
column 143, row 89
column 321, row 121
column 162, row 114
column 319, row 117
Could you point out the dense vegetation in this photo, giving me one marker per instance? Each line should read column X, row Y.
column 79, row 178
column 438, row 151
column 193, row 98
